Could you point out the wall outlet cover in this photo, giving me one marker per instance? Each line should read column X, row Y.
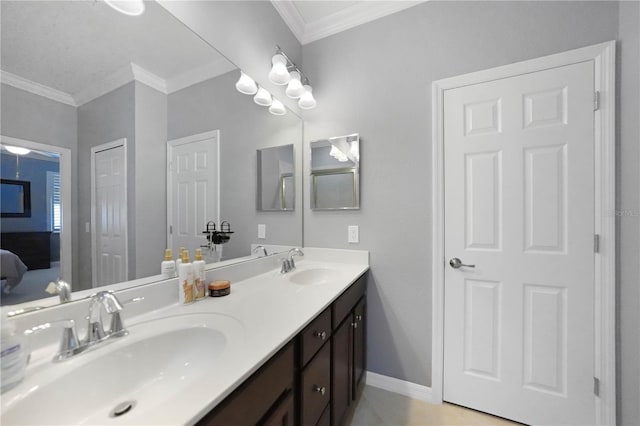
column 353, row 234
column 262, row 231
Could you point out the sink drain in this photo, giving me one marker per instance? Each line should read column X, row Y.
column 122, row 408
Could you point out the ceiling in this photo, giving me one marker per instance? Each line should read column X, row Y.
column 81, row 48
column 311, row 20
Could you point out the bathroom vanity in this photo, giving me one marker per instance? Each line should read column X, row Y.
column 298, row 385
column 286, row 349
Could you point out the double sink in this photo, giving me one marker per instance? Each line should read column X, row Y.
column 167, row 360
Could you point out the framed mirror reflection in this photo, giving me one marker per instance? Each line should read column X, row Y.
column 335, row 173
column 276, row 178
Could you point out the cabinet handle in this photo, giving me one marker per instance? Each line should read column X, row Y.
column 320, row 389
column 321, row 335
column 354, row 324
column 358, row 317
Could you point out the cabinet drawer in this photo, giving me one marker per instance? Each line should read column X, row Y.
column 255, row 397
column 314, row 336
column 316, row 386
column 343, row 305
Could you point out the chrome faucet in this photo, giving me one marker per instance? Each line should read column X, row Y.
column 260, row 249
column 70, row 345
column 288, row 263
column 111, row 304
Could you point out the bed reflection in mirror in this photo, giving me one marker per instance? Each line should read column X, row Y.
column 335, row 173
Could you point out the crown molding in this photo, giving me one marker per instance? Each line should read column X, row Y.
column 122, row 76
column 291, row 16
column 198, row 75
column 349, row 17
column 36, row 88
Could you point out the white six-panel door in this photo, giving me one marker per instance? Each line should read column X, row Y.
column 519, row 197
column 193, row 190
column 109, row 214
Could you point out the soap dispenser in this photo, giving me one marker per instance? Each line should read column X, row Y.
column 14, row 356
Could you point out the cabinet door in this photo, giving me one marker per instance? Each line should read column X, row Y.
column 341, row 377
column 359, row 349
column 315, row 386
column 283, row 413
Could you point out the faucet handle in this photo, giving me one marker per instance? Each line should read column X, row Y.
column 117, row 328
column 69, row 344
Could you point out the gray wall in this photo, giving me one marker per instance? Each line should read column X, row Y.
column 215, row 104
column 628, row 212
column 373, row 92
column 105, row 119
column 38, row 119
column 150, row 179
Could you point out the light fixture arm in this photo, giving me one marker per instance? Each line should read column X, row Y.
column 291, row 66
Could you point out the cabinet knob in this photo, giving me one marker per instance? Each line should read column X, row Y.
column 358, row 317
column 320, row 334
column 354, row 324
column 320, row 389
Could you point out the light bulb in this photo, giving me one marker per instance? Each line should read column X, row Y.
column 277, row 108
column 307, row 100
column 128, row 7
column 18, row 150
column 246, row 85
column 279, row 74
column 262, row 97
column 295, row 88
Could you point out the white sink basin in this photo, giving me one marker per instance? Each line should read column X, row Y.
column 147, row 368
column 314, row 276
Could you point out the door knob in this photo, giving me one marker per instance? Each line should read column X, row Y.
column 456, row 263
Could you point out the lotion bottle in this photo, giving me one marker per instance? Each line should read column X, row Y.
column 185, row 281
column 199, row 275
column 14, row 356
column 179, row 260
column 168, row 265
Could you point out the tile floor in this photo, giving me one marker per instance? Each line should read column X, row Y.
column 378, row 407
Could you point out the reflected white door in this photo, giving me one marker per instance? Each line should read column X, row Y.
column 519, row 202
column 109, row 221
column 193, row 190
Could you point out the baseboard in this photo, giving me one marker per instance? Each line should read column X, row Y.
column 391, row 384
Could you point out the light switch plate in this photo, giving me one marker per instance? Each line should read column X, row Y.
column 262, row 231
column 354, row 234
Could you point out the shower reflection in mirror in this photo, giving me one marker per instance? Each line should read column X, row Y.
column 335, row 173
column 276, row 182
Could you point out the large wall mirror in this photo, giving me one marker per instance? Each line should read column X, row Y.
column 135, row 110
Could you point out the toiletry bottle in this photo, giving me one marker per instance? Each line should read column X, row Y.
column 179, row 260
column 185, row 282
column 168, row 265
column 199, row 275
column 14, row 356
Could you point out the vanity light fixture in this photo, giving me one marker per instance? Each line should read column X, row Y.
column 263, row 97
column 279, row 73
column 284, row 71
column 246, row 85
column 277, row 108
column 128, row 7
column 294, row 88
column 307, row 101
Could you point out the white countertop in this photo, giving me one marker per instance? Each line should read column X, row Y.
column 268, row 311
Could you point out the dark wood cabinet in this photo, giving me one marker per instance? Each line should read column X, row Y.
column 283, row 414
column 314, row 380
column 349, row 351
column 252, row 402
